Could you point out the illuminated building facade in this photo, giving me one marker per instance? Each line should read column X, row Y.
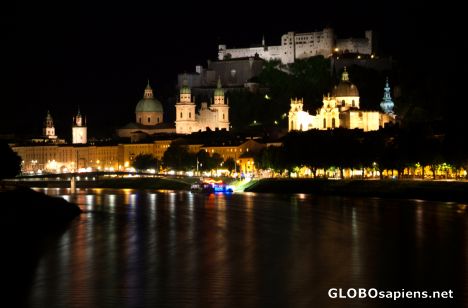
column 80, row 158
column 341, row 109
column 213, row 117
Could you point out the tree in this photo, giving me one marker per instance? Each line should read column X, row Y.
column 11, row 162
column 177, row 157
column 231, row 164
column 207, row 162
column 145, row 161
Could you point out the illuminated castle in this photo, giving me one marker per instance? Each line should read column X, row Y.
column 341, row 109
column 301, row 45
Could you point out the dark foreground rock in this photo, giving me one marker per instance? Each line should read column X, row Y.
column 29, row 223
column 26, row 208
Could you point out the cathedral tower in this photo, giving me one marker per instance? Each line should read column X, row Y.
column 221, row 107
column 79, row 130
column 185, row 111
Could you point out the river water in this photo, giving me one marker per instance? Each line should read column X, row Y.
column 134, row 248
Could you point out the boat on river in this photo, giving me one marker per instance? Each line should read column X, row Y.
column 209, row 185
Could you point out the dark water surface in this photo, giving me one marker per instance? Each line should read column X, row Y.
column 178, row 249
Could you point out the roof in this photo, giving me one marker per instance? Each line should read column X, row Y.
column 149, row 105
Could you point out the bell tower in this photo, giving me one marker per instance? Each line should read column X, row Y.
column 387, row 103
column 185, row 111
column 221, row 107
column 79, row 130
column 49, row 130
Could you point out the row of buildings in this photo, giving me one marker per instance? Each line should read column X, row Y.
column 64, row 158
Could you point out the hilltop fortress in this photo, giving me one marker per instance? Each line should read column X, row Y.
column 302, row 45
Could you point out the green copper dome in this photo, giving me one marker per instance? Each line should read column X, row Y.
column 219, row 91
column 148, row 103
column 185, row 89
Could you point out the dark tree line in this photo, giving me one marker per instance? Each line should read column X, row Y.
column 383, row 150
column 178, row 157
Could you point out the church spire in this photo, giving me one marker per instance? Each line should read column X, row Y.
column 148, row 91
column 345, row 76
column 219, row 90
column 49, row 129
column 78, row 120
column 49, row 122
column 387, row 103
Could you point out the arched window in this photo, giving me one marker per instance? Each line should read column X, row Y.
column 190, row 115
column 149, row 119
column 157, row 119
column 223, row 116
column 333, row 123
column 324, row 123
column 353, row 103
column 139, row 120
column 181, row 115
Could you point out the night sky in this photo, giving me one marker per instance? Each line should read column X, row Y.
column 99, row 56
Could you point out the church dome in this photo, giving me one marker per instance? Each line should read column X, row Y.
column 148, row 103
column 185, row 90
column 345, row 87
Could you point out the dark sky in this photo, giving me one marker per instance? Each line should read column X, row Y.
column 98, row 56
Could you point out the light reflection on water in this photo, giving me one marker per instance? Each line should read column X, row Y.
column 145, row 248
